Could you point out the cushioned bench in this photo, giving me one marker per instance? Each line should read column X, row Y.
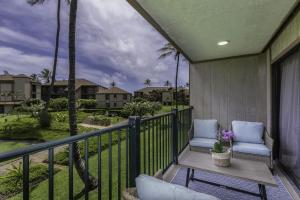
column 203, row 134
column 154, row 188
column 252, row 141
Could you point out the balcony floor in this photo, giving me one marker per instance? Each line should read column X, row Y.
column 274, row 193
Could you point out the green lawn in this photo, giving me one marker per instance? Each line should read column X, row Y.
column 166, row 109
column 9, row 146
column 155, row 154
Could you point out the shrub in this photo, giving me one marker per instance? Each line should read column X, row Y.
column 60, row 117
column 44, row 119
column 98, row 120
column 59, row 104
column 140, row 108
column 87, row 103
column 19, row 126
column 11, row 183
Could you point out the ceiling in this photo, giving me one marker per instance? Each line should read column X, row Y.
column 196, row 26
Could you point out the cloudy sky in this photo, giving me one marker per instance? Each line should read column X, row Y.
column 114, row 43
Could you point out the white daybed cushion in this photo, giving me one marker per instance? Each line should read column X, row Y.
column 150, row 188
column 249, row 132
column 205, row 128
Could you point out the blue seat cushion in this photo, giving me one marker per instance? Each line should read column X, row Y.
column 205, row 128
column 249, row 132
column 150, row 188
column 251, row 148
column 202, row 142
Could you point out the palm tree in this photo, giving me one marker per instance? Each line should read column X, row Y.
column 34, row 77
column 169, row 50
column 113, row 84
column 33, row 2
column 45, row 75
column 168, row 83
column 147, row 82
column 79, row 163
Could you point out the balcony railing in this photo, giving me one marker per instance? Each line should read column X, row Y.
column 123, row 152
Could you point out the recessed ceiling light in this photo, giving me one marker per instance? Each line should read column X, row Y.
column 222, row 43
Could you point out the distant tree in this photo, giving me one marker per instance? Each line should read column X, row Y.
column 5, row 72
column 147, row 82
column 34, row 77
column 113, row 84
column 168, row 83
column 166, row 51
column 154, row 95
column 187, row 84
column 45, row 75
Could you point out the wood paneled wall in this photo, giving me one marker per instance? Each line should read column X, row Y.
column 230, row 89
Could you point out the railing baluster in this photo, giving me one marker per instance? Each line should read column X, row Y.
column 153, row 147
column 127, row 146
column 148, row 147
column 110, row 166
column 99, row 168
column 160, row 145
column 156, row 138
column 143, row 134
column 163, row 142
column 51, row 173
column 26, row 177
column 71, row 171
column 119, row 164
column 86, row 171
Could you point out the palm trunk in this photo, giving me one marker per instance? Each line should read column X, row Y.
column 79, row 163
column 176, row 80
column 55, row 56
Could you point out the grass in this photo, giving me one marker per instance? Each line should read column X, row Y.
column 9, row 146
column 11, row 183
column 155, row 154
column 27, row 127
column 166, row 109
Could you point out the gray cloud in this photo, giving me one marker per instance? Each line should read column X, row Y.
column 113, row 43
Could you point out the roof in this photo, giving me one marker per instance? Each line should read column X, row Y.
column 78, row 83
column 112, row 90
column 195, row 27
column 149, row 89
column 11, row 77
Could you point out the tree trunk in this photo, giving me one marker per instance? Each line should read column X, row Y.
column 55, row 56
column 176, row 80
column 79, row 163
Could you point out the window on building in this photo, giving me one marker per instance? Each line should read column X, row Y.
column 125, row 96
column 115, row 104
column 107, row 96
column 107, row 105
column 115, row 96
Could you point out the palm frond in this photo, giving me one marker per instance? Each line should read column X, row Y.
column 164, row 55
column 34, row 2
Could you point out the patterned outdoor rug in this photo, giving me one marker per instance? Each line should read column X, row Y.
column 274, row 193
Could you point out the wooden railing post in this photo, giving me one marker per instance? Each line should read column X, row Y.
column 175, row 135
column 134, row 149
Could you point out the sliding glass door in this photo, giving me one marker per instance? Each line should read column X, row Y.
column 289, row 115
